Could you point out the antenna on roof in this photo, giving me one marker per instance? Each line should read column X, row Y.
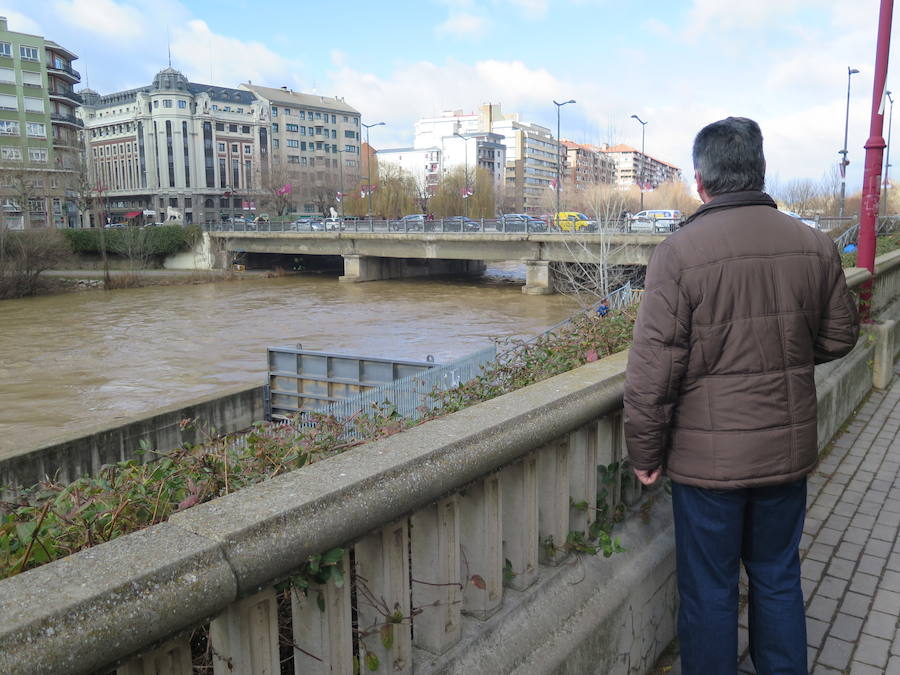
column 169, row 46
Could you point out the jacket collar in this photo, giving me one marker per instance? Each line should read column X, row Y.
column 731, row 200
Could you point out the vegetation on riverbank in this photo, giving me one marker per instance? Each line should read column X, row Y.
column 51, row 520
column 883, row 244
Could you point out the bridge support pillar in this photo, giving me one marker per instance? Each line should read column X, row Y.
column 358, row 268
column 538, row 280
column 363, row 268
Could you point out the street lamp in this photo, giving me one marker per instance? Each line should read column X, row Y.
column 466, row 188
column 844, row 162
column 887, row 156
column 641, row 178
column 369, row 163
column 558, row 160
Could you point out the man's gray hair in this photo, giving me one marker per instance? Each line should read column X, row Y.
column 728, row 154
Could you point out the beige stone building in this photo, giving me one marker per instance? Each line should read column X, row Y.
column 633, row 167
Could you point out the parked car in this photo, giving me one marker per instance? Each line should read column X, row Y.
column 454, row 224
column 521, row 222
column 806, row 221
column 414, row 221
column 573, row 221
column 655, row 220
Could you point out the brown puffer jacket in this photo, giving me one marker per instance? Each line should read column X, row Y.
column 740, row 304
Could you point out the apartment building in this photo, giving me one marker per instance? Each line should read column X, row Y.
column 586, row 166
column 176, row 151
column 635, row 168
column 39, row 147
column 315, row 144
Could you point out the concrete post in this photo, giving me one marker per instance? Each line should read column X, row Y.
column 323, row 639
column 883, row 368
column 610, row 444
column 553, row 500
column 244, row 637
column 359, row 268
column 436, row 584
column 480, row 525
column 518, row 483
column 583, row 477
column 383, row 603
column 538, row 280
column 172, row 658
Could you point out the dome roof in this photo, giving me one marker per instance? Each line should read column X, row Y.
column 89, row 96
column 170, row 79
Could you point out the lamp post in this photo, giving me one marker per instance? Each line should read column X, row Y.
column 887, row 156
column 341, row 167
column 369, row 164
column 466, row 173
column 558, row 158
column 641, row 178
column 844, row 162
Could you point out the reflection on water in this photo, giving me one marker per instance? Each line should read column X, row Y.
column 68, row 362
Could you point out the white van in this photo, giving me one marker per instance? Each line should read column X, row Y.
column 655, row 220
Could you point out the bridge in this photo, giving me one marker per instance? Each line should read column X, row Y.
column 372, row 252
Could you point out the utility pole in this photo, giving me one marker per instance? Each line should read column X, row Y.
column 369, row 164
column 558, row 158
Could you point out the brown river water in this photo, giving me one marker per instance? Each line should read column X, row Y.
column 68, row 362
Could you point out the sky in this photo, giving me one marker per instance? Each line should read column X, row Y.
column 677, row 64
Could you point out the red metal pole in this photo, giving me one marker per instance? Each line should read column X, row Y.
column 868, row 211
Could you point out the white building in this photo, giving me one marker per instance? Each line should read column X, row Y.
column 634, row 167
column 194, row 149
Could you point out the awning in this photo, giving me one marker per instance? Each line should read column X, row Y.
column 133, row 214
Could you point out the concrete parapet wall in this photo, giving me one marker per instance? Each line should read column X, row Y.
column 162, row 429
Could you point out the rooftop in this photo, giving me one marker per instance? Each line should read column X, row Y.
column 299, row 99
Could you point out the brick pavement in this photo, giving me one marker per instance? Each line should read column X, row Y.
column 850, row 549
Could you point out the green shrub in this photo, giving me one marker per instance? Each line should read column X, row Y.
column 161, row 241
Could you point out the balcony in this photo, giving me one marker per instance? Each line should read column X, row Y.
column 59, row 118
column 63, row 70
column 65, row 143
column 65, row 97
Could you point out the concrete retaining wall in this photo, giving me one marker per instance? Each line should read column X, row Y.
column 162, row 429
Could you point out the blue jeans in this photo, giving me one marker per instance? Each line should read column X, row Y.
column 714, row 531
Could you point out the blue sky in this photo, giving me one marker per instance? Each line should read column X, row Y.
column 677, row 64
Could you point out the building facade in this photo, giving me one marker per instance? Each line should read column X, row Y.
column 176, row 151
column 315, row 146
column 39, row 145
column 635, row 168
column 586, row 166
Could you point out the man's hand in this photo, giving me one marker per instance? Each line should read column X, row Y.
column 648, row 477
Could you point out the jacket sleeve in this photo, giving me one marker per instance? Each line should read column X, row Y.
column 657, row 361
column 839, row 325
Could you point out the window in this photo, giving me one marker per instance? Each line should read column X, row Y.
column 318, row 145
column 232, row 128
column 11, row 153
column 182, row 104
column 287, row 111
column 37, row 154
column 156, row 103
column 220, row 126
column 215, row 107
column 9, row 102
column 310, row 130
column 7, row 75
column 301, row 114
column 5, row 49
column 33, row 104
column 303, row 145
column 227, row 108
column 37, row 205
column 28, row 53
column 349, row 148
column 291, row 127
column 221, row 147
column 291, row 143
column 248, row 149
column 276, row 143
column 349, row 134
column 293, row 159
column 240, row 111
column 274, row 127
column 303, row 161
column 303, row 131
column 167, row 103
column 9, row 128
column 318, row 115
column 334, row 133
column 346, row 119
column 274, row 111
column 245, row 129
column 234, row 147
column 334, row 119
column 36, row 129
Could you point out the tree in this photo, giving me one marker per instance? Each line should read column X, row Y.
column 279, row 186
column 25, row 254
column 448, row 199
column 396, row 192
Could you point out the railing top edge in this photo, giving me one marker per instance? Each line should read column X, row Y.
column 856, row 276
column 887, row 262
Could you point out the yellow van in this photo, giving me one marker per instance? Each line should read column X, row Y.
column 572, row 221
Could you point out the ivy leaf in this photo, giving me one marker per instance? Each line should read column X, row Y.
column 479, row 582
column 320, row 601
column 372, row 661
column 337, row 577
column 333, row 556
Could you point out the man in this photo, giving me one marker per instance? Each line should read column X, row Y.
column 739, row 305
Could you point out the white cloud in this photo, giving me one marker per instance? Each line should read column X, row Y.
column 715, row 16
column 196, row 49
column 462, row 25
column 103, row 17
column 531, row 9
column 16, row 21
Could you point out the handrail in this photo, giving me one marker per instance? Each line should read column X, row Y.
column 121, row 596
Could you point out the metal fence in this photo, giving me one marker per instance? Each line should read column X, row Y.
column 409, row 397
column 885, row 226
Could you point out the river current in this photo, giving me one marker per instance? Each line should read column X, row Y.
column 70, row 362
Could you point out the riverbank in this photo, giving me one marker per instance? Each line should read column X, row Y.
column 74, row 280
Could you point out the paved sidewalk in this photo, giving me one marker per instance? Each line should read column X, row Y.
column 851, row 550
